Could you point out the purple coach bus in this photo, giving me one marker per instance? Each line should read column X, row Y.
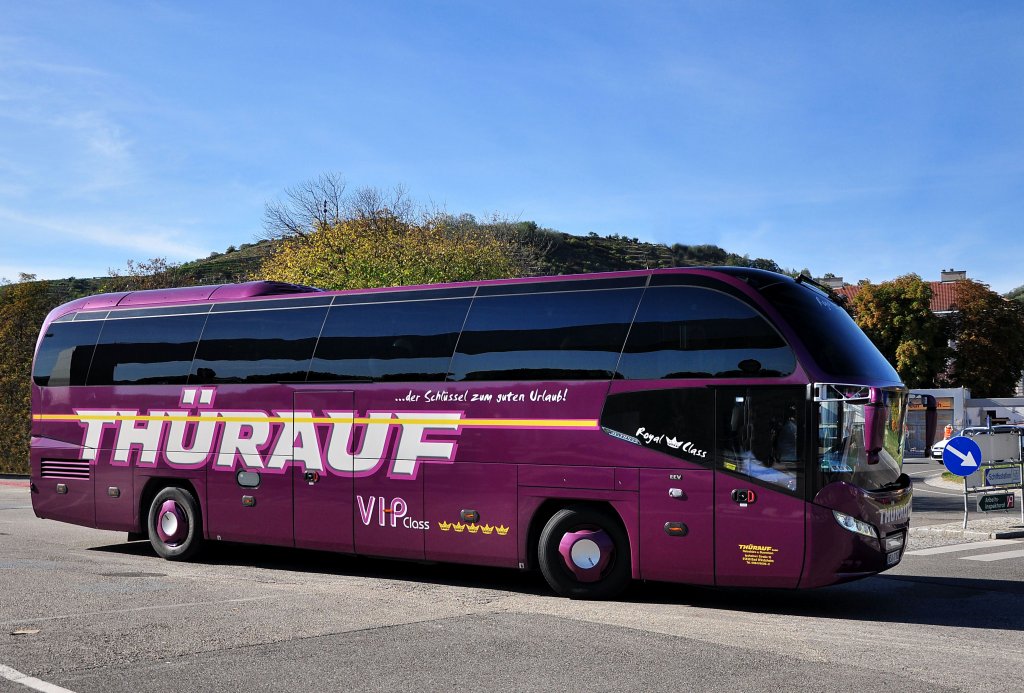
column 723, row 426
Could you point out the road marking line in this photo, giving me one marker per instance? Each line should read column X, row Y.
column 962, row 547
column 183, row 605
column 31, row 681
column 1002, row 555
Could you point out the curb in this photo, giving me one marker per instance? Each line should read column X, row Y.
column 955, row 532
column 15, row 480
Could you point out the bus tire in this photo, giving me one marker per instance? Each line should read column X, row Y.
column 584, row 554
column 174, row 525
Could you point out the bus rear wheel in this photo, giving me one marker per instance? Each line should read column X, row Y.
column 174, row 526
column 584, row 554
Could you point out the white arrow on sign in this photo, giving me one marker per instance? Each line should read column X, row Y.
column 966, row 457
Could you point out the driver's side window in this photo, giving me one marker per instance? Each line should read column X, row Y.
column 760, row 434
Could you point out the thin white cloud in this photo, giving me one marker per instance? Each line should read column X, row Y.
column 104, row 154
column 134, row 238
column 35, row 66
column 74, row 107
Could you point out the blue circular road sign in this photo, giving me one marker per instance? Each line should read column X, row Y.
column 962, row 456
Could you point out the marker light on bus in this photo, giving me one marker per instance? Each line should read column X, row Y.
column 854, row 525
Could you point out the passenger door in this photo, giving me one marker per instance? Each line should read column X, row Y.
column 759, row 486
column 323, row 497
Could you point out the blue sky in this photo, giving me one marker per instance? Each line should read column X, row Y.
column 864, row 139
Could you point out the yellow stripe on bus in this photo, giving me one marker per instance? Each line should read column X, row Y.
column 468, row 423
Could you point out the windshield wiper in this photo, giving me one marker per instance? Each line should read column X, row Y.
column 893, row 485
column 826, row 291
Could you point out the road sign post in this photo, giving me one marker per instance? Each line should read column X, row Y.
column 995, row 501
column 963, row 456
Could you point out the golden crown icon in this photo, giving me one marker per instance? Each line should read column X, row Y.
column 502, row 530
column 487, row 529
column 459, row 527
column 444, row 526
column 473, row 529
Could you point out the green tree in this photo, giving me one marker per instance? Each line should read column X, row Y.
column 23, row 306
column 766, row 264
column 988, row 341
column 896, row 316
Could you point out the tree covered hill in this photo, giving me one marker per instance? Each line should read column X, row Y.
column 556, row 253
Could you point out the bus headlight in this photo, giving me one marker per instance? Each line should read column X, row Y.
column 854, row 525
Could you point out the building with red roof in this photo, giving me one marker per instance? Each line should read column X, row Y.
column 943, row 291
column 943, row 301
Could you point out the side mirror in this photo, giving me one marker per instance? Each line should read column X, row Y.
column 876, row 416
column 931, row 419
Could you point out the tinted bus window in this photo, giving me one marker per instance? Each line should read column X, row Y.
column 257, row 346
column 835, row 342
column 573, row 335
column 690, row 332
column 677, row 422
column 65, row 352
column 153, row 350
column 409, row 340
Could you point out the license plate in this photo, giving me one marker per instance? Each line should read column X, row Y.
column 892, row 558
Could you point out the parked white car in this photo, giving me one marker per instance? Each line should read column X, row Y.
column 938, row 447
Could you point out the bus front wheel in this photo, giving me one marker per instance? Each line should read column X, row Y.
column 584, row 554
column 174, row 525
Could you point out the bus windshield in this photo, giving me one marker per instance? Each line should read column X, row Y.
column 828, row 332
column 845, row 432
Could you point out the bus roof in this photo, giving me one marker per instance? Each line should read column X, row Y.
column 266, row 289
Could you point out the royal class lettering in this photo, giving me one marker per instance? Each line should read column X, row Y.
column 686, row 446
column 344, row 443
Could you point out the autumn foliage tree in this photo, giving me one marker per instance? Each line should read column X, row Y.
column 987, row 332
column 356, row 253
column 896, row 316
column 23, row 306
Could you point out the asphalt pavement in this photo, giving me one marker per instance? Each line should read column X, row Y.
column 85, row 610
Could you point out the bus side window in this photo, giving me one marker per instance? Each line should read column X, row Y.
column 677, row 422
column 693, row 332
column 561, row 335
column 759, row 434
column 400, row 341
column 257, row 346
column 65, row 353
column 147, row 350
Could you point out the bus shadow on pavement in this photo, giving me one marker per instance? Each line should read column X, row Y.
column 346, row 565
column 925, row 600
